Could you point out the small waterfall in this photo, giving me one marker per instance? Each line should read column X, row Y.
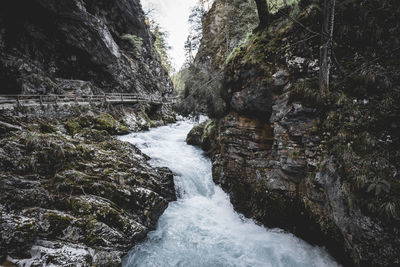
column 201, row 228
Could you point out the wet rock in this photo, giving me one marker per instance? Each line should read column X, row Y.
column 292, row 159
column 76, row 87
column 201, row 135
column 268, row 174
column 76, row 195
column 6, row 127
column 194, row 136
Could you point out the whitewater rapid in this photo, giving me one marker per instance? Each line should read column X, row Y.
column 201, row 228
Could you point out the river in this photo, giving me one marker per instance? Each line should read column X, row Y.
column 201, row 228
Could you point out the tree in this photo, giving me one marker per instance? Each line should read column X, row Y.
column 189, row 49
column 263, row 14
column 193, row 40
column 326, row 46
column 160, row 43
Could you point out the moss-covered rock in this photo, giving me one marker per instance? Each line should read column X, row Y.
column 71, row 184
column 72, row 126
column 202, row 135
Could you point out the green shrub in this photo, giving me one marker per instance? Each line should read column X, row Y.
column 136, row 42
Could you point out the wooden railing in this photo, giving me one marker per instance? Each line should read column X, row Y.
column 32, row 100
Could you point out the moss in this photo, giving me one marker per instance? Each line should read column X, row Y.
column 92, row 238
column 122, row 128
column 72, row 127
column 233, row 54
column 145, row 116
column 95, row 135
column 105, row 122
column 208, row 129
column 84, row 121
column 72, row 181
column 108, row 123
column 136, row 43
column 85, row 151
column 58, row 222
column 153, row 124
column 46, row 127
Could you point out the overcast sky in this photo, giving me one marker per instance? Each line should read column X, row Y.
column 173, row 17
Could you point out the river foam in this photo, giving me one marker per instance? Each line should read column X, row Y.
column 201, row 228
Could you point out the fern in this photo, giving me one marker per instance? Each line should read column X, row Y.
column 379, row 187
column 389, row 209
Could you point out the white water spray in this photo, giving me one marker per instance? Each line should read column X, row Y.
column 201, row 228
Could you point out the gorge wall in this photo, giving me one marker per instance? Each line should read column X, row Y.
column 326, row 170
column 71, row 194
column 224, row 27
column 84, row 46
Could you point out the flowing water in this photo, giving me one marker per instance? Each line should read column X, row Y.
column 201, row 228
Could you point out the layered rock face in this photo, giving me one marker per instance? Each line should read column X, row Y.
column 224, row 27
column 70, row 193
column 322, row 170
column 83, row 46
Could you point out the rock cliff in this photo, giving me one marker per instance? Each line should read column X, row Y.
column 83, row 46
column 327, row 171
column 71, row 194
column 225, row 26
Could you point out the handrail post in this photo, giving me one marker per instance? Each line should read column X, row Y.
column 105, row 99
column 56, row 101
column 122, row 98
column 76, row 99
column 18, row 103
column 41, row 100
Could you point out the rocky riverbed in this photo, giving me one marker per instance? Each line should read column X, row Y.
column 70, row 193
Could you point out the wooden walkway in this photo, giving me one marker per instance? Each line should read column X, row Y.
column 10, row 101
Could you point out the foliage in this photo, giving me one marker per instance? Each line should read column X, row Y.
column 306, row 92
column 179, row 80
column 136, row 43
column 195, row 36
column 358, row 120
column 203, row 89
column 160, row 43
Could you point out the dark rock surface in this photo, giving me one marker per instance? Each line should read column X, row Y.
column 201, row 135
column 277, row 173
column 325, row 171
column 53, row 46
column 70, row 193
column 223, row 30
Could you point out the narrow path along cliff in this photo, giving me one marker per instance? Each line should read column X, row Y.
column 201, row 228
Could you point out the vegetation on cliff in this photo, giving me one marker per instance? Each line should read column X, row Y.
column 328, row 168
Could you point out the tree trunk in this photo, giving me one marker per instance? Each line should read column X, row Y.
column 263, row 14
column 326, row 46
